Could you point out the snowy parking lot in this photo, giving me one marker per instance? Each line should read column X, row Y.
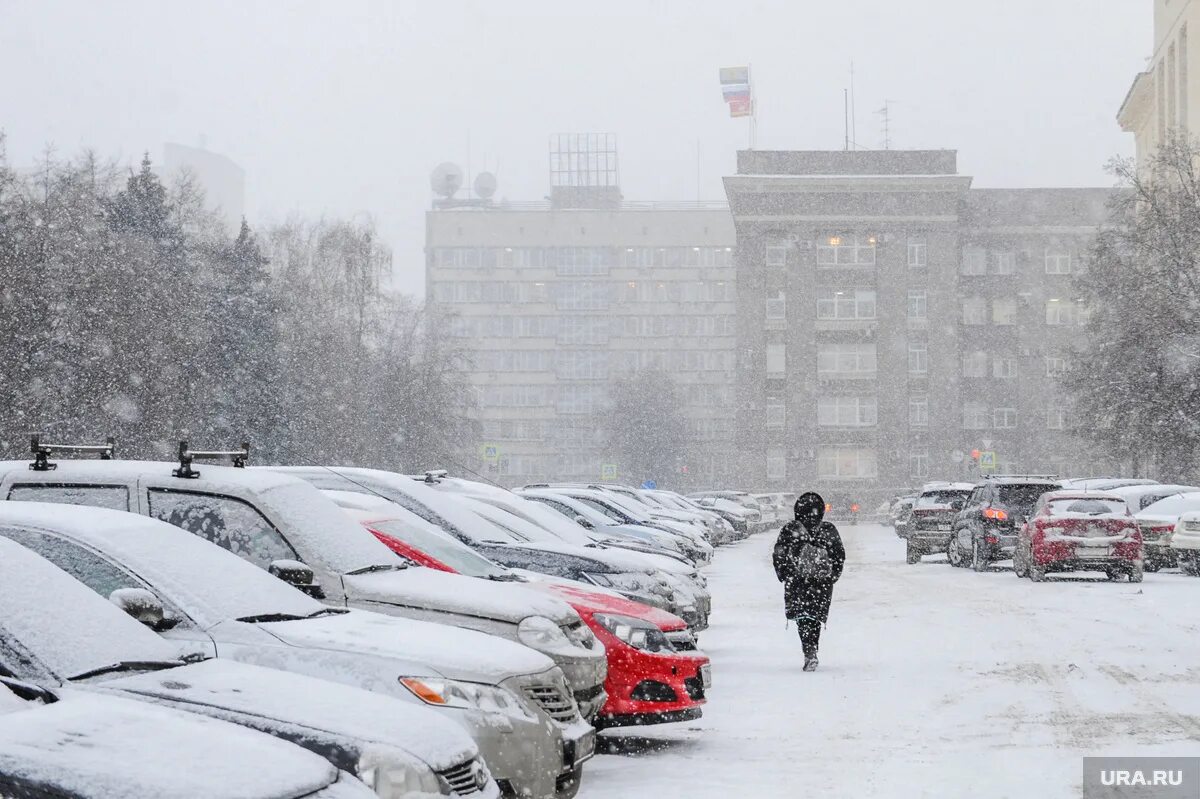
column 934, row 681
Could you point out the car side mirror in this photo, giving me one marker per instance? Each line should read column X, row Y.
column 582, row 522
column 297, row 574
column 958, row 504
column 144, row 607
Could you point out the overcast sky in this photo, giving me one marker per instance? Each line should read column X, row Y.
column 343, row 107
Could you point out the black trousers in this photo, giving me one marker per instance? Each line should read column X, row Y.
column 810, row 635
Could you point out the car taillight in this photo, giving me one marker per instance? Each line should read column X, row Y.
column 854, row 508
column 828, row 507
column 995, row 513
column 991, row 539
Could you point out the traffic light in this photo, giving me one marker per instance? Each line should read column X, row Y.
column 975, row 454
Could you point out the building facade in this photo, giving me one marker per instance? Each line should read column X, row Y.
column 892, row 321
column 1165, row 96
column 553, row 301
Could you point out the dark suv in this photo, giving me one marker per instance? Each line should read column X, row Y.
column 985, row 530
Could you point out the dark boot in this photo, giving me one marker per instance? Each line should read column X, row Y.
column 810, row 663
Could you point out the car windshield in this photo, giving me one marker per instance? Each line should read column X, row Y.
column 456, row 555
column 1089, row 506
column 939, row 498
column 1022, row 496
column 321, row 532
column 1174, row 505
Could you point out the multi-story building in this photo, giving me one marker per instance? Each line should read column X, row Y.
column 1166, row 96
column 223, row 181
column 892, row 321
column 555, row 300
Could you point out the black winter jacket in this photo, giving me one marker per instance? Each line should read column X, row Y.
column 803, row 597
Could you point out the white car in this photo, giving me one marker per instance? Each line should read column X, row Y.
column 1185, row 542
column 59, row 637
column 1139, row 497
column 1157, row 522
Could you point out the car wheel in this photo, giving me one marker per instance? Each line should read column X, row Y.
column 1188, row 563
column 1136, row 573
column 1019, row 562
column 1151, row 564
column 979, row 561
column 911, row 554
column 568, row 784
column 1037, row 572
column 1113, row 573
column 953, row 553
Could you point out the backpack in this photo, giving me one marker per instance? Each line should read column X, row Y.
column 813, row 563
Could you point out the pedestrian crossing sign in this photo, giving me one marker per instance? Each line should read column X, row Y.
column 608, row 471
column 489, row 453
column 987, row 461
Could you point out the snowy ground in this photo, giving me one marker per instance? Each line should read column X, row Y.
column 933, row 682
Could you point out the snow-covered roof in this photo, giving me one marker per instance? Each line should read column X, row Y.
column 1171, row 506
column 208, row 582
column 107, row 747
column 123, row 470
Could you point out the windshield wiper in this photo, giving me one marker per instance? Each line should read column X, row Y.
column 378, row 567
column 506, row 578
column 127, row 665
column 268, row 617
column 327, row 612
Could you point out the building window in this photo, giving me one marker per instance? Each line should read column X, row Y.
column 571, row 296
column 775, row 414
column 1058, row 262
column 574, row 398
column 834, row 304
column 847, row 411
column 974, row 311
column 918, row 304
column 918, row 465
column 974, row 261
column 1055, row 366
column 1005, row 263
column 1004, row 312
column 581, row 365
column 976, row 416
column 846, row 463
column 917, row 252
column 1004, row 418
column 776, row 359
column 777, row 250
column 918, row 358
column 918, row 411
column 846, row 360
column 1004, row 368
column 846, row 251
column 1066, row 312
column 975, row 364
column 1056, row 418
column 777, row 307
column 776, row 464
column 583, row 261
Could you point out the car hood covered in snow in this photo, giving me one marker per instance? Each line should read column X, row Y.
column 105, row 746
column 450, row 651
column 583, row 598
column 221, row 688
column 453, row 593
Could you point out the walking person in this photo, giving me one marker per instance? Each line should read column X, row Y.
column 808, row 559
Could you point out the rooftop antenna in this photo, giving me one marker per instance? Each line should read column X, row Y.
column 853, row 110
column 846, row 118
column 886, row 116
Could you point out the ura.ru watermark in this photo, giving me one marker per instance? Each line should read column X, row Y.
column 1141, row 778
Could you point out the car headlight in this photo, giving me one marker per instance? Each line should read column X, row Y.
column 640, row 582
column 467, row 696
column 582, row 636
column 635, row 632
column 393, row 777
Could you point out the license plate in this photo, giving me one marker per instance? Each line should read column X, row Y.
column 944, row 527
column 1089, row 553
column 706, row 676
column 585, row 747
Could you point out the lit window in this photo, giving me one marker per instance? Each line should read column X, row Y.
column 846, row 251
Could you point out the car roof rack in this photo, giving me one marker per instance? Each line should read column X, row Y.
column 237, row 457
column 434, row 475
column 42, row 452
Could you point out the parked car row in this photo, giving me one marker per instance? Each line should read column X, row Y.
column 1122, row 527
column 362, row 632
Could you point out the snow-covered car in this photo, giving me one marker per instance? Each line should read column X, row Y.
column 1103, row 483
column 738, row 516
column 1185, row 542
column 57, row 634
column 1077, row 530
column 1139, row 497
column 604, row 529
column 95, row 746
column 692, row 523
column 655, row 674
column 511, row 700
column 722, row 533
column 900, row 514
column 743, row 500
column 273, row 520
column 985, row 530
column 931, row 524
column 675, row 587
column 1158, row 523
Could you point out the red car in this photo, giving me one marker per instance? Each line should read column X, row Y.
column 1079, row 531
column 655, row 674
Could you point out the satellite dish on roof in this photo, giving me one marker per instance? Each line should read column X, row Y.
column 446, row 179
column 485, row 185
